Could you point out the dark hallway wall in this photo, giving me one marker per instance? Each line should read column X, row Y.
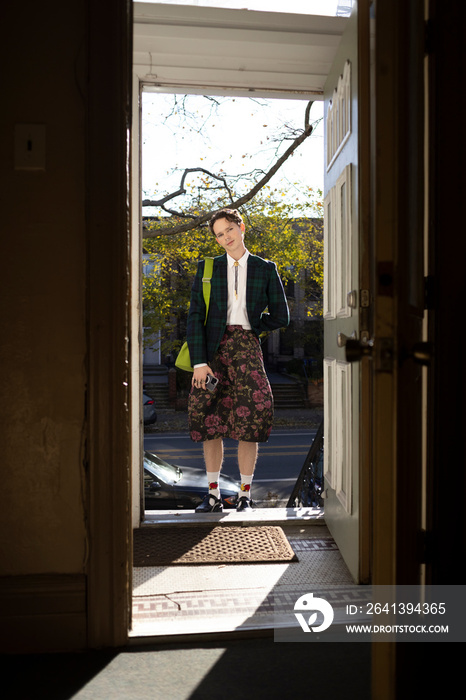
column 64, row 502
column 43, row 293
column 44, row 499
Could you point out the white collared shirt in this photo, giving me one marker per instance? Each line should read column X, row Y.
column 236, row 308
column 237, row 314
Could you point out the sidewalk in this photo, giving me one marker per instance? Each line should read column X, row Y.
column 177, row 421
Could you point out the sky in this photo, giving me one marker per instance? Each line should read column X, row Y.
column 234, row 136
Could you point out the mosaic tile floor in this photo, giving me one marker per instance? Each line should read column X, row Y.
column 224, row 598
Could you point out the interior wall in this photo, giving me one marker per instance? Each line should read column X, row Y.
column 43, row 293
column 65, row 537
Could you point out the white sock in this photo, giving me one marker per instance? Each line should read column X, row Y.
column 212, row 482
column 245, row 485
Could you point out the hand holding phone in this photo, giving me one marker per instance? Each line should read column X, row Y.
column 211, row 382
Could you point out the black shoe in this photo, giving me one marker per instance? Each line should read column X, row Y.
column 244, row 503
column 210, row 504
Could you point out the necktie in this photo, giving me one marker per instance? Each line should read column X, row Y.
column 236, row 279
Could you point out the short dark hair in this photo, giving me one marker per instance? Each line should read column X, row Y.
column 228, row 214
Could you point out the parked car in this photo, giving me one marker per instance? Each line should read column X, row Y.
column 168, row 486
column 150, row 414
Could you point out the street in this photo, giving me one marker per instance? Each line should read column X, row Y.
column 279, row 463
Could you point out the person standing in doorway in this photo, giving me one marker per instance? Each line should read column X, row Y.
column 246, row 300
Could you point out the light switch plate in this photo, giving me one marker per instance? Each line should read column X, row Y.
column 30, row 147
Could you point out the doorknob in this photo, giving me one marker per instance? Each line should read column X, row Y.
column 342, row 339
column 352, row 299
column 382, row 351
column 355, row 349
column 421, row 353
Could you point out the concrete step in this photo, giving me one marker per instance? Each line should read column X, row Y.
column 159, row 392
column 285, row 395
column 288, row 396
column 282, row 406
column 285, row 389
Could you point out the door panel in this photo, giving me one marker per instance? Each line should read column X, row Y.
column 341, row 300
column 343, row 433
column 343, row 247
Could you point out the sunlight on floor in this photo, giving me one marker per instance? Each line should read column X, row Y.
column 223, row 598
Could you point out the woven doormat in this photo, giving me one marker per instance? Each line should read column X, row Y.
column 166, row 546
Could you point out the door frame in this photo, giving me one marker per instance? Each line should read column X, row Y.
column 365, row 283
column 255, row 34
column 399, row 399
column 107, row 462
column 115, row 437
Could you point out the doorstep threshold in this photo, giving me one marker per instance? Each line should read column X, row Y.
column 137, row 639
column 199, row 629
column 271, row 516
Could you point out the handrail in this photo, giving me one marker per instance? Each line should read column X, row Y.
column 308, row 487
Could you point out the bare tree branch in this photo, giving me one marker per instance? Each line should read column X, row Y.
column 182, row 189
column 182, row 228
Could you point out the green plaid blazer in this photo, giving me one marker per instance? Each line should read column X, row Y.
column 264, row 290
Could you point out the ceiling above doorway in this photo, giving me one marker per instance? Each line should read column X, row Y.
column 221, row 51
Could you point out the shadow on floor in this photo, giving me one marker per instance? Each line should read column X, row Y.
column 240, row 668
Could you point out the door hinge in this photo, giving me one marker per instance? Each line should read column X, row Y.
column 425, row 541
column 429, row 37
column 429, row 292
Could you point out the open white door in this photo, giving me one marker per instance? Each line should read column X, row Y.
column 344, row 298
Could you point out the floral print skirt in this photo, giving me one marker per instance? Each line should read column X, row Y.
column 241, row 405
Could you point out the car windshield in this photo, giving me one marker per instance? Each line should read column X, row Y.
column 161, row 469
